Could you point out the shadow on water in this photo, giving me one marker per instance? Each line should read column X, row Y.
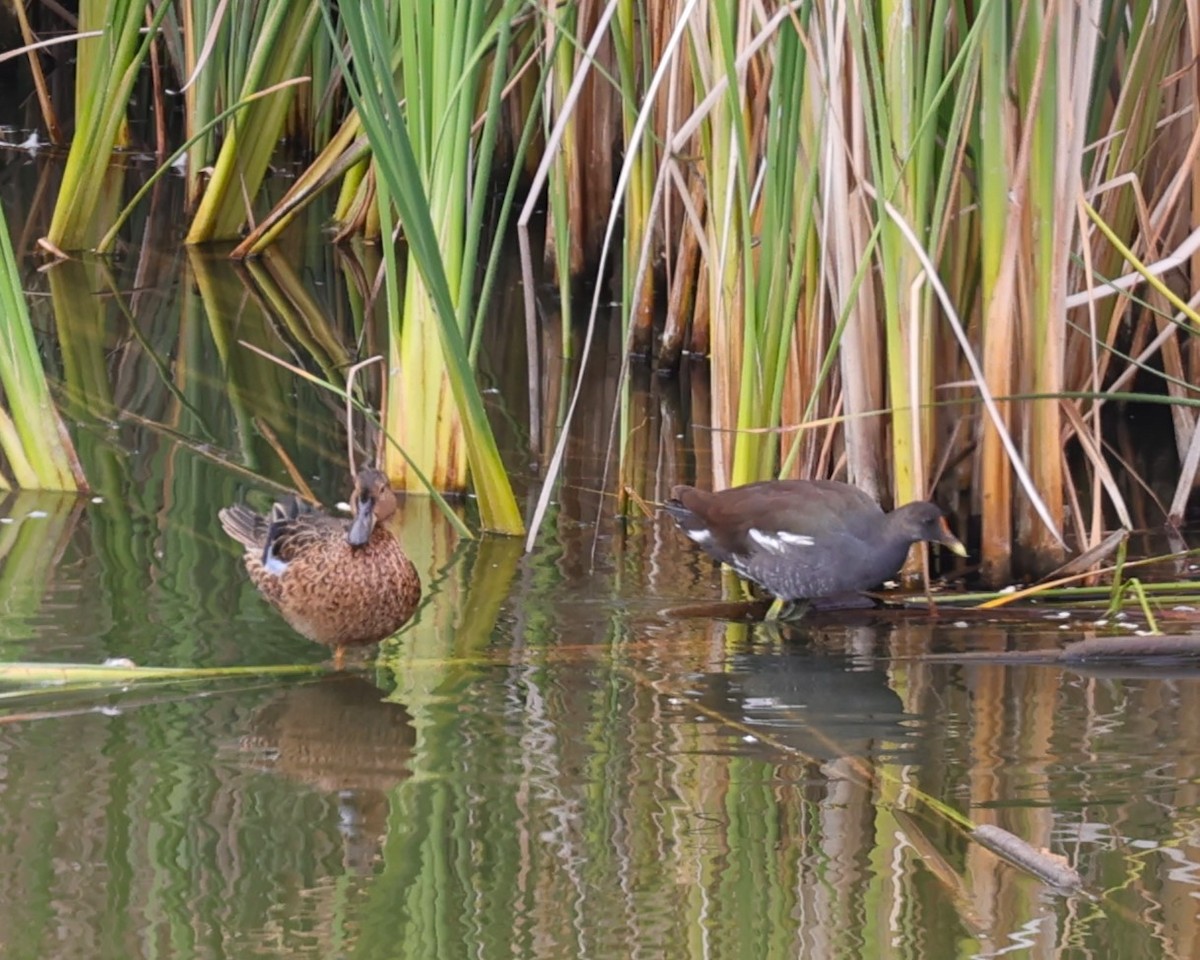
column 550, row 760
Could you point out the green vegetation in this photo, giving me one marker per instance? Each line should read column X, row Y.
column 894, row 229
column 434, row 411
column 32, row 437
column 106, row 68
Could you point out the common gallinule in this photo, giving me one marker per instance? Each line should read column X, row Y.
column 806, row 539
column 339, row 582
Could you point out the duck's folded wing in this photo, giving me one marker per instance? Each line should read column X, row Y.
column 244, row 525
column 295, row 528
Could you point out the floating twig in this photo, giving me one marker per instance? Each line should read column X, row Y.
column 1047, row 866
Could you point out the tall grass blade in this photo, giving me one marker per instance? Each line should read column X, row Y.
column 280, row 47
column 107, row 67
column 372, row 87
column 35, row 443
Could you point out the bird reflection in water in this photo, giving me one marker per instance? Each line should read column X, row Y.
column 341, row 738
column 811, row 703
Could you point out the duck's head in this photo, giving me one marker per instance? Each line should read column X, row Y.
column 372, row 500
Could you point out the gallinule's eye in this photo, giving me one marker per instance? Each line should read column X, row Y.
column 806, row 539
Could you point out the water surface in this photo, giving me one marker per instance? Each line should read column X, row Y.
column 562, row 756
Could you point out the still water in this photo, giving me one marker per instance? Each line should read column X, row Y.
column 563, row 755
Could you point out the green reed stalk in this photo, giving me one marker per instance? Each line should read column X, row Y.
column 890, row 56
column 421, row 156
column 994, row 153
column 202, row 97
column 276, row 47
column 351, row 193
column 342, row 160
column 420, row 411
column 844, row 241
column 313, row 119
column 781, row 216
column 107, row 68
column 117, row 220
column 103, row 677
column 905, row 63
column 727, row 243
column 739, row 234
column 1044, row 89
column 760, row 239
column 40, row 455
column 630, row 44
column 563, row 192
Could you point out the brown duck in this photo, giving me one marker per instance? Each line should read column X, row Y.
column 339, row 582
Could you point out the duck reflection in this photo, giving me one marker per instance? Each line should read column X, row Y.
column 822, row 706
column 338, row 736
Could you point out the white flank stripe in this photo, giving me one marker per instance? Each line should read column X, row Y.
column 796, row 539
column 766, row 540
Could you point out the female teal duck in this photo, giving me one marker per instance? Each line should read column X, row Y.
column 339, row 582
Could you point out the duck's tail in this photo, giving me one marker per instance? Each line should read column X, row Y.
column 245, row 526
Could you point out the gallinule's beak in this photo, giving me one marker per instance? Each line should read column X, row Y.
column 947, row 539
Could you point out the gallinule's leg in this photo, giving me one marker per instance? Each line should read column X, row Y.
column 788, row 610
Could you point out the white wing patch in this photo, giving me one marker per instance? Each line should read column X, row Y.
column 274, row 565
column 768, row 541
column 700, row 536
column 778, row 543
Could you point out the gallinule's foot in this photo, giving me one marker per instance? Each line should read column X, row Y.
column 803, row 540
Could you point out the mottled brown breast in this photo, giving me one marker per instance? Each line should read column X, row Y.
column 340, row 595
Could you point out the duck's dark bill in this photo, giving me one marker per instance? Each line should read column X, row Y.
column 364, row 522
